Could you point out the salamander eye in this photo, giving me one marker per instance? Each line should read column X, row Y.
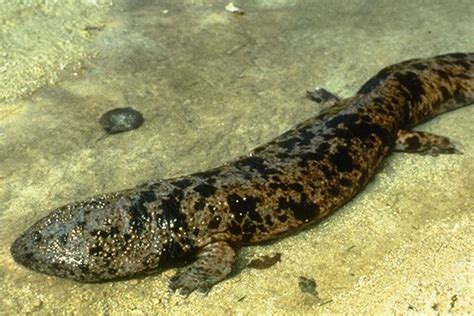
column 37, row 237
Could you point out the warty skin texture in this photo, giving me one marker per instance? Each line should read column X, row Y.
column 289, row 183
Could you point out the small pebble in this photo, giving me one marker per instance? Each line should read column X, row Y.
column 233, row 9
column 121, row 120
column 265, row 261
column 307, row 285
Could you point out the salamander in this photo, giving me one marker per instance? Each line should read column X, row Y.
column 287, row 184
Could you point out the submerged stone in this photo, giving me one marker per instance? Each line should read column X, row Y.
column 121, row 120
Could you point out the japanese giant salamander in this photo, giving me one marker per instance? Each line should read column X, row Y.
column 289, row 183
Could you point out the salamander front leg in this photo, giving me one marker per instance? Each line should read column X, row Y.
column 214, row 262
column 424, row 143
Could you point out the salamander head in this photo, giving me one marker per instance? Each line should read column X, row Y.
column 102, row 238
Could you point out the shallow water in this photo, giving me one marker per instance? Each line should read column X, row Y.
column 213, row 85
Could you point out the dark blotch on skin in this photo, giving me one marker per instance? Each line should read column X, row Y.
column 214, row 222
column 420, row 66
column 182, row 183
column 174, row 250
column 296, row 187
column 95, row 251
column 328, row 173
column 62, row 238
column 346, row 182
column 139, row 212
column 235, row 229
column 205, row 190
column 304, row 210
column 344, row 120
column 241, row 207
column 413, row 85
column 357, row 126
column 171, row 211
column 268, row 220
column 374, row 82
column 342, row 160
column 413, row 142
column 100, row 233
column 307, row 136
column 121, row 120
column 282, row 218
column 249, row 229
column 445, row 93
column 199, row 205
column 83, row 268
column 290, row 143
column 258, row 164
column 334, row 191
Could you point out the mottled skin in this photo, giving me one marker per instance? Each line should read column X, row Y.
column 291, row 182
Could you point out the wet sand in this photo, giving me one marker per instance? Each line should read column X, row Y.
column 213, row 85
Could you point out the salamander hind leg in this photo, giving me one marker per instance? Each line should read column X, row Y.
column 214, row 262
column 424, row 143
column 329, row 103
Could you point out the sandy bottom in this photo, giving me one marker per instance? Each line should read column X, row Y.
column 213, row 85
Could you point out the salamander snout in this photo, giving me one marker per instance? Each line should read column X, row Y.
column 49, row 248
column 99, row 239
